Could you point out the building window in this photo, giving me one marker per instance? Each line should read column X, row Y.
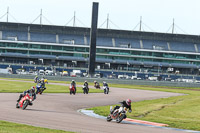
column 69, row 41
column 156, row 47
column 12, row 38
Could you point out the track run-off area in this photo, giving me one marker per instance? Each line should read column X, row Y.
column 60, row 110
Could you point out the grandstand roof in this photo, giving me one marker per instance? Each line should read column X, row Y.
column 101, row 32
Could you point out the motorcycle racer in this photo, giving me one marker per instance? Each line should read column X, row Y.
column 85, row 87
column 96, row 85
column 73, row 83
column 29, row 91
column 86, row 84
column 36, row 79
column 105, row 85
column 126, row 104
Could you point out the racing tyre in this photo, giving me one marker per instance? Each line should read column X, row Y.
column 17, row 105
column 120, row 118
column 25, row 104
column 108, row 118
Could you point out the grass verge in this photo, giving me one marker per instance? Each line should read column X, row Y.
column 178, row 112
column 19, row 87
column 10, row 127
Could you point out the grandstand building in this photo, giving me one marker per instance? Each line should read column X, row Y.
column 116, row 49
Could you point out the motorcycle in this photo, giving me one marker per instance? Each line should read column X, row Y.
column 85, row 89
column 106, row 89
column 97, row 86
column 72, row 90
column 40, row 89
column 118, row 114
column 25, row 101
column 36, row 80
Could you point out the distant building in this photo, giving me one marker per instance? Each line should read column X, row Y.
column 69, row 46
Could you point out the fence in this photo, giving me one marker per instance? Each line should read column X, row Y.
column 112, row 81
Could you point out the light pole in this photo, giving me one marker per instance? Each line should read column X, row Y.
column 127, row 65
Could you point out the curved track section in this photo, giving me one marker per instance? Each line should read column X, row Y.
column 59, row 111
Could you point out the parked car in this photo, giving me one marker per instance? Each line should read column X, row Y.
column 65, row 73
column 76, row 73
column 123, row 76
column 41, row 72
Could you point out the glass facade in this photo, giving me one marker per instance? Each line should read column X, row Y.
column 125, row 54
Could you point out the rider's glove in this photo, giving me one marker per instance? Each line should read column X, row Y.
column 130, row 111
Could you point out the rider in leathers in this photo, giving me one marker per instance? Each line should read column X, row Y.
column 96, row 84
column 126, row 104
column 30, row 91
column 86, row 85
column 105, row 85
column 73, row 83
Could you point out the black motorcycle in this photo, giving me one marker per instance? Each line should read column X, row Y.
column 85, row 89
column 106, row 89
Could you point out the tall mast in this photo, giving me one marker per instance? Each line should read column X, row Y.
column 7, row 13
column 41, row 17
column 140, row 23
column 74, row 19
column 173, row 27
column 107, row 21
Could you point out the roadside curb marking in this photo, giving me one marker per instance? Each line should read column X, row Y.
column 146, row 122
column 136, row 122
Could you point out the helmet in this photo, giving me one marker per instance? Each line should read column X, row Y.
column 95, row 81
column 128, row 102
column 73, row 81
column 45, row 80
column 85, row 81
column 104, row 82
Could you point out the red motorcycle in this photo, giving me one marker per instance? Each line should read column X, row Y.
column 97, row 86
column 25, row 101
column 72, row 90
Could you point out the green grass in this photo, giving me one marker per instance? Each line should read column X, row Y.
column 9, row 127
column 50, row 81
column 19, row 87
column 178, row 112
column 154, row 88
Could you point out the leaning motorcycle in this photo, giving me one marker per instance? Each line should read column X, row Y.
column 85, row 89
column 40, row 89
column 106, row 89
column 25, row 101
column 36, row 80
column 118, row 114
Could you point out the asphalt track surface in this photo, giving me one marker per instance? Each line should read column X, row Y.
column 59, row 111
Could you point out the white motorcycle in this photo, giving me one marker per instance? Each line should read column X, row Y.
column 118, row 114
column 106, row 89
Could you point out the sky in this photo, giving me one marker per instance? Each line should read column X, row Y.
column 157, row 15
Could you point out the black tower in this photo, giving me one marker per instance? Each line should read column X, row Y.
column 93, row 33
